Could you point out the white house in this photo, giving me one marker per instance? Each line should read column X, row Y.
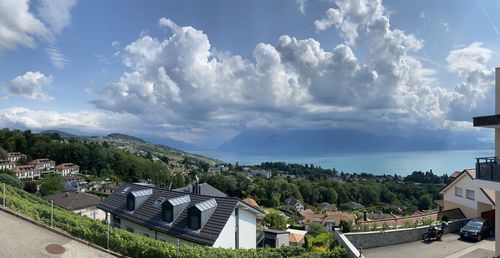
column 184, row 217
column 7, row 164
column 295, row 204
column 26, row 172
column 15, row 156
column 44, row 165
column 65, row 169
column 464, row 193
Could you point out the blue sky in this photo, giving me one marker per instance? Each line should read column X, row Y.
column 203, row 71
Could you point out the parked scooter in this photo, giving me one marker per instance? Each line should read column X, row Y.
column 435, row 232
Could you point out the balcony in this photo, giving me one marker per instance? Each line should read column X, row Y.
column 488, row 169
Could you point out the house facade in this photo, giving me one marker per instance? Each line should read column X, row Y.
column 294, row 204
column 65, row 169
column 44, row 165
column 488, row 168
column 15, row 156
column 6, row 164
column 183, row 217
column 465, row 194
column 26, row 172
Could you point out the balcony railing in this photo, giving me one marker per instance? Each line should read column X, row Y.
column 487, row 168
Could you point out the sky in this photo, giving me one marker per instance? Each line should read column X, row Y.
column 201, row 72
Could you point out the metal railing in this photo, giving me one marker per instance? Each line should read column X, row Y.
column 488, row 168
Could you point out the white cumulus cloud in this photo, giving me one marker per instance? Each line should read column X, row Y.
column 31, row 85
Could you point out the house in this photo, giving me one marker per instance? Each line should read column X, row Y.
column 325, row 206
column 65, row 169
column 15, row 156
column 80, row 203
column 328, row 220
column 44, row 165
column 27, row 172
column 262, row 173
column 353, row 206
column 203, row 189
column 276, row 238
column 7, row 164
column 183, row 217
column 465, row 194
column 488, row 168
column 294, row 204
column 296, row 237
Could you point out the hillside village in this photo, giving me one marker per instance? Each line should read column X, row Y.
column 287, row 224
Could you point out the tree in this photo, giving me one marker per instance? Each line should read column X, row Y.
column 424, row 202
column 346, row 226
column 274, row 220
column 51, row 184
column 11, row 180
column 30, row 187
column 315, row 229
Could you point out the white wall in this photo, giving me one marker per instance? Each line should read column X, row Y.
column 227, row 235
column 248, row 229
column 465, row 182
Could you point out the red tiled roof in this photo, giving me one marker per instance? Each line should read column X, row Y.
column 41, row 161
column 251, row 202
column 66, row 165
column 22, row 169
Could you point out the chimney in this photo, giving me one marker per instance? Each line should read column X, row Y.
column 66, row 195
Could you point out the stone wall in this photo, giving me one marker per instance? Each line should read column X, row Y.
column 372, row 239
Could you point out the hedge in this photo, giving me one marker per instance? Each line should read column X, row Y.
column 134, row 245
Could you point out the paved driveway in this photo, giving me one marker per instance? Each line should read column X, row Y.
column 449, row 246
column 19, row 238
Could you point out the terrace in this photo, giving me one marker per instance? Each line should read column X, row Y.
column 487, row 168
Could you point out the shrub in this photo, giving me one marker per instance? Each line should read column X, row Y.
column 30, row 187
column 11, row 180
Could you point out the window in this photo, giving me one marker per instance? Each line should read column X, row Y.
column 167, row 214
column 130, row 203
column 469, row 194
column 459, row 191
column 195, row 222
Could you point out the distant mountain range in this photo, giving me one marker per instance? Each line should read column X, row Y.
column 299, row 142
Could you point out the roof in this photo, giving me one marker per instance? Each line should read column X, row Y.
column 251, row 202
column 15, row 154
column 295, row 238
column 490, row 194
column 73, row 200
column 150, row 215
column 452, row 214
column 21, row 169
column 455, row 174
column 331, row 217
column 4, row 161
column 204, row 189
column 41, row 161
column 66, row 165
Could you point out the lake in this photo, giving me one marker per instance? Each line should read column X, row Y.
column 401, row 163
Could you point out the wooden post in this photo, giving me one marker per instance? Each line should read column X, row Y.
column 52, row 214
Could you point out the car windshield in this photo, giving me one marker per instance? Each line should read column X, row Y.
column 475, row 224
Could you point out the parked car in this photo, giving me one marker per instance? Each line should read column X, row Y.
column 476, row 229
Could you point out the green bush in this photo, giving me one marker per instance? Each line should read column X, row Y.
column 134, row 245
column 11, row 180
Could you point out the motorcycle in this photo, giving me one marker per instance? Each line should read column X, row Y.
column 435, row 232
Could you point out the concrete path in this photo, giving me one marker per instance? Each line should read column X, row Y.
column 449, row 246
column 19, row 238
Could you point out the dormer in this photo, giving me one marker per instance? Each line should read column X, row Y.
column 173, row 207
column 200, row 213
column 136, row 198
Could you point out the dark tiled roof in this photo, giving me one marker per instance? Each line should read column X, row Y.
column 73, row 200
column 204, row 188
column 150, row 215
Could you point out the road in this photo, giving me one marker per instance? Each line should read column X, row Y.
column 19, row 238
column 449, row 246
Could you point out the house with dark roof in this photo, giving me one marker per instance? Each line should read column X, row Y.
column 465, row 194
column 292, row 203
column 78, row 202
column 184, row 217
